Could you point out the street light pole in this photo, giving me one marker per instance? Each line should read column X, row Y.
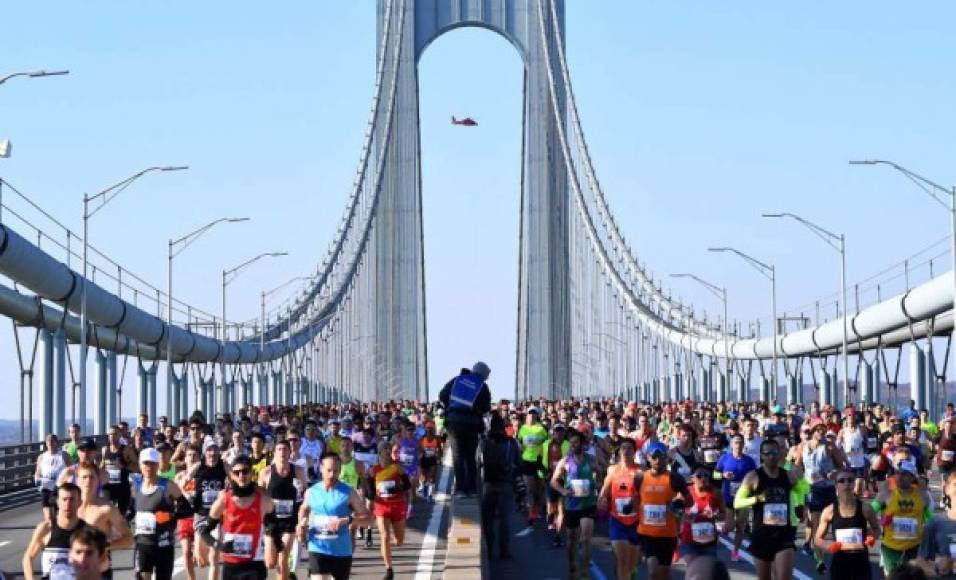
column 234, row 273
column 721, row 293
column 838, row 243
column 107, row 195
column 262, row 314
column 769, row 272
column 931, row 187
column 185, row 241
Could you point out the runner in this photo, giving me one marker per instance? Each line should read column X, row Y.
column 531, row 435
column 818, row 457
column 732, row 468
column 155, row 500
column 101, row 514
column 698, row 535
column 431, row 449
column 70, row 446
column 855, row 529
column 905, row 510
column 167, row 469
column 184, row 526
column 119, row 461
column 241, row 510
column 331, row 508
column 684, row 457
column 52, row 538
column 618, row 493
column 554, row 449
column 88, row 554
column 657, row 527
column 752, row 441
column 279, row 481
column 937, row 551
column 767, row 491
column 209, row 480
column 258, row 455
column 366, row 453
column 408, row 453
column 852, row 441
column 50, row 464
column 711, row 443
column 388, row 486
column 574, row 478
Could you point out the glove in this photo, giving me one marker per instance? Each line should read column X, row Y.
column 870, row 541
column 835, row 547
column 886, row 520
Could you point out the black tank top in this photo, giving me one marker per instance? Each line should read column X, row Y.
column 56, row 553
column 153, row 523
column 690, row 460
column 283, row 492
column 851, row 530
column 209, row 482
column 116, row 469
column 774, row 513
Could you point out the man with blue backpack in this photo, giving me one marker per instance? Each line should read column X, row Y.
column 467, row 400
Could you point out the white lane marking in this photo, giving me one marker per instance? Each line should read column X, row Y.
column 4, row 543
column 179, row 567
column 525, row 532
column 750, row 560
column 426, row 558
column 596, row 572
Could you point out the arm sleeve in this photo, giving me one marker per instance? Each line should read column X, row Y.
column 743, row 499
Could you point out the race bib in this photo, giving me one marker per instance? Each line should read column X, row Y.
column 430, row 451
column 952, row 552
column 209, row 496
column 849, row 536
column 531, row 440
column 406, row 457
column 283, row 508
column 905, row 528
column 776, row 514
column 46, row 483
column 145, row 524
column 655, row 515
column 948, row 455
column 53, row 557
column 580, row 487
column 624, row 506
column 711, row 455
column 114, row 475
column 320, row 527
column 871, row 442
column 703, row 532
column 62, row 571
column 241, row 544
column 639, row 458
column 367, row 458
column 386, row 488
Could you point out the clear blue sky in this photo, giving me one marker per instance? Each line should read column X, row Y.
column 700, row 116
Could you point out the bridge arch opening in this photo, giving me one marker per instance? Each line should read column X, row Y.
column 471, row 176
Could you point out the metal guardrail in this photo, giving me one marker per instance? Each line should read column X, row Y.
column 17, row 465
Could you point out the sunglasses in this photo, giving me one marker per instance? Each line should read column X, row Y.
column 702, row 475
column 845, row 480
column 240, row 472
column 770, row 452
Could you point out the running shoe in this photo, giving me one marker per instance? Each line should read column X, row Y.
column 368, row 539
column 821, row 567
column 735, row 556
column 389, row 574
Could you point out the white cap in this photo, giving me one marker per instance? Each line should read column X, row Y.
column 149, row 454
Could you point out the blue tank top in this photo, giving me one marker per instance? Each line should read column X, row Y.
column 325, row 504
column 408, row 453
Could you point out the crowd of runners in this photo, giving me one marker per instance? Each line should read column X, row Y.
column 252, row 493
column 241, row 495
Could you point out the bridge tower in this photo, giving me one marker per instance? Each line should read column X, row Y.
column 544, row 321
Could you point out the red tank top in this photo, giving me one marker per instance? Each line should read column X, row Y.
column 243, row 526
column 623, row 494
column 700, row 520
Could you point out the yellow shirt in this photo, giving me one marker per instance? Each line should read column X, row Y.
column 906, row 529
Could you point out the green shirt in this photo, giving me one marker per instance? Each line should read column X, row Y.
column 170, row 473
column 531, row 438
column 70, row 448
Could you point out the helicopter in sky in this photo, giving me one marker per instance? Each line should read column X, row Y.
column 466, row 122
